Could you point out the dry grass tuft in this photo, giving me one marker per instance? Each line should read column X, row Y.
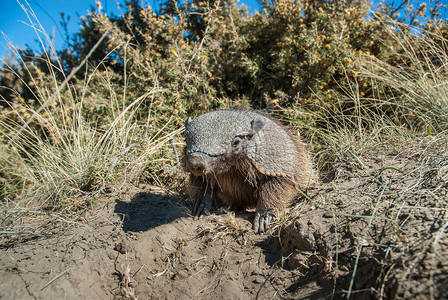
column 220, row 227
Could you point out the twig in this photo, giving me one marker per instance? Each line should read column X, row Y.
column 440, row 232
column 54, row 279
column 27, row 286
column 175, row 151
column 200, row 45
column 362, row 244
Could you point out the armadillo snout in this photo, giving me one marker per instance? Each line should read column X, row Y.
column 197, row 163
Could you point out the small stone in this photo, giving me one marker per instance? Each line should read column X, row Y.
column 328, row 214
column 258, row 280
column 120, row 248
column 182, row 274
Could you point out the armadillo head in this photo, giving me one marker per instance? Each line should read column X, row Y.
column 216, row 140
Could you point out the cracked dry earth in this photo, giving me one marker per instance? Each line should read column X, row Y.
column 376, row 228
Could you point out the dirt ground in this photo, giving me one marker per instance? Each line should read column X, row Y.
column 376, row 227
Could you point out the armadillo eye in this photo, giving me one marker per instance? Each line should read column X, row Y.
column 236, row 141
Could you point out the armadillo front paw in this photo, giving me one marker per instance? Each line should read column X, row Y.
column 201, row 207
column 263, row 221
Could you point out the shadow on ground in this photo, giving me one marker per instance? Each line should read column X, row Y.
column 147, row 210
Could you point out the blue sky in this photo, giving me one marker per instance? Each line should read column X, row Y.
column 13, row 18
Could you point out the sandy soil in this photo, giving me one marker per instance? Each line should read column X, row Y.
column 376, row 227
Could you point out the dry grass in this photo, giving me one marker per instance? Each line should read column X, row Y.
column 220, row 227
column 420, row 77
column 53, row 157
column 388, row 210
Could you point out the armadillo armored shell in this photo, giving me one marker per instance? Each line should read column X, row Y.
column 272, row 150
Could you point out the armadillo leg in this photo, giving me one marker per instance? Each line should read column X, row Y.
column 272, row 195
column 263, row 221
column 202, row 206
column 203, row 196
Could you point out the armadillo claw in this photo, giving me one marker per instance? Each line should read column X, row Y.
column 263, row 221
column 201, row 207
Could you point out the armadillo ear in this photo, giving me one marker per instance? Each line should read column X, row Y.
column 257, row 124
column 187, row 121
